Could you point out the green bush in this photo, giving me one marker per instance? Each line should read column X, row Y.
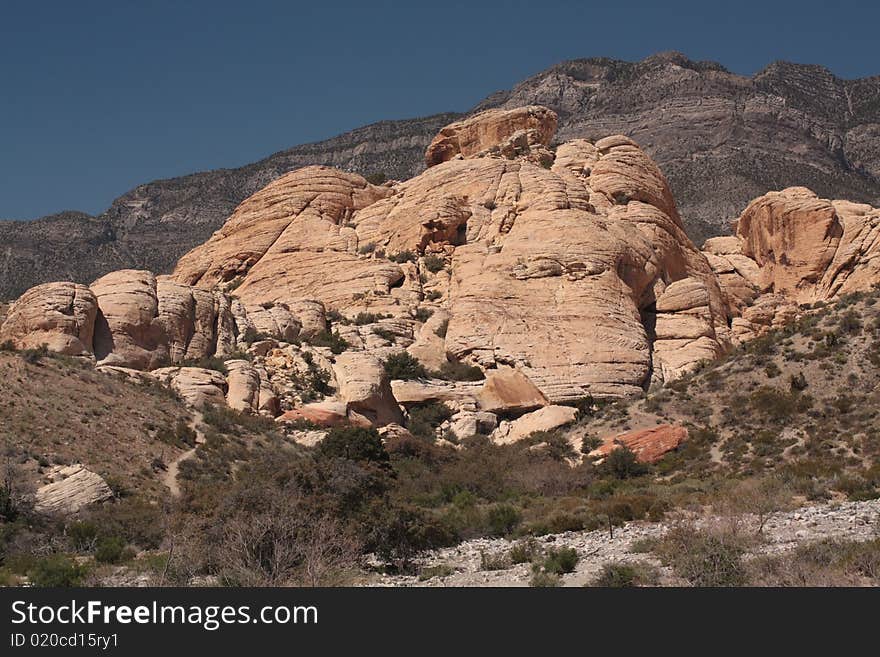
column 622, row 463
column 404, row 366
column 502, row 519
column 83, row 535
column 335, row 342
column 524, row 551
column 626, row 575
column 34, row 356
column 354, row 444
column 423, row 314
column 560, row 560
column 57, row 570
column 376, row 178
column 110, row 549
column 589, row 443
column 363, row 319
column 425, row 418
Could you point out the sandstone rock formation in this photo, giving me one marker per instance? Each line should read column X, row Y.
column 544, row 419
column 509, row 133
column 561, row 274
column 649, row 445
column 197, row 386
column 364, row 387
column 71, row 488
column 792, row 247
column 59, row 315
column 553, row 273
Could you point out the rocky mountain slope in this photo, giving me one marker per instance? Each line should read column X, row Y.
column 519, row 341
column 722, row 139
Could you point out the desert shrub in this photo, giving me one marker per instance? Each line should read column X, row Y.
column 626, row 575
column 402, row 256
column 367, row 248
column 7, row 345
column 778, row 406
column 333, row 341
column 83, row 535
column 182, row 435
column 772, row 370
column 502, row 519
column 35, row 355
column 494, row 560
column 850, row 322
column 57, row 570
column 397, row 534
column 524, row 551
column 376, row 178
column 405, row 366
column 425, row 418
column 354, row 444
column 440, row 331
column 433, row 295
column 590, row 442
column 797, row 382
column 440, row 570
column 134, row 520
column 458, row 371
column 702, row 557
column 385, row 334
column 554, row 444
column 433, row 263
column 622, row 463
column 560, row 560
column 543, row 579
column 423, row 314
column 111, row 549
column 363, row 318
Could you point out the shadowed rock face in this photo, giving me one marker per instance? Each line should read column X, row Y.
column 721, row 139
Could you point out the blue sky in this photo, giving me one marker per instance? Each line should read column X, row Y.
column 97, row 97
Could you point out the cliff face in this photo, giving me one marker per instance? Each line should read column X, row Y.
column 720, row 138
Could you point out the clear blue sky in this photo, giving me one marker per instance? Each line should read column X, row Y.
column 97, row 97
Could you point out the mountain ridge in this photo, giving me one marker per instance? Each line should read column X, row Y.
column 720, row 138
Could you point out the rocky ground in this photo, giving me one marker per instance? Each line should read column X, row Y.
column 854, row 521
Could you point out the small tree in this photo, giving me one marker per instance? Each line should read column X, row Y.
column 404, row 366
column 354, row 444
column 622, row 463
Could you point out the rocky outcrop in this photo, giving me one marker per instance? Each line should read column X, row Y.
column 197, row 386
column 518, row 132
column 323, row 414
column 364, row 387
column 790, row 248
column 71, row 488
column 544, row 419
column 59, row 315
column 649, row 445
